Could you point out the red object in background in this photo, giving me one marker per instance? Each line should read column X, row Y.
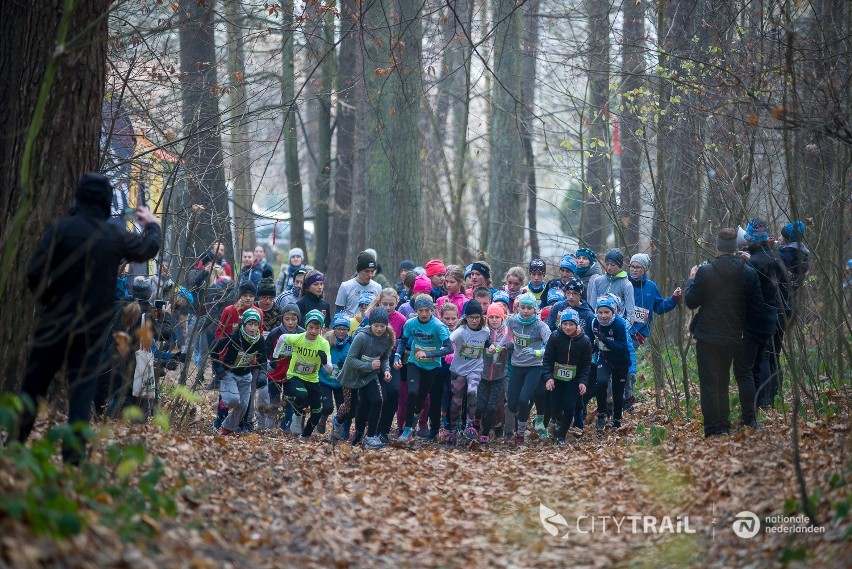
column 616, row 136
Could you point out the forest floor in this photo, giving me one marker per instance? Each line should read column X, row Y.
column 264, row 499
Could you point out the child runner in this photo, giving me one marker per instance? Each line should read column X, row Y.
column 614, row 281
column 529, row 335
column 310, row 351
column 368, row 362
column 453, row 283
column 492, row 388
column 470, row 338
column 239, row 353
column 331, row 391
column 515, row 279
column 587, row 266
column 500, row 297
column 435, row 271
column 567, row 360
column 613, row 358
column 555, row 296
column 428, row 339
column 567, row 269
column 479, row 275
column 312, row 299
column 364, row 303
column 537, row 270
column 278, row 366
column 449, row 316
column 421, row 286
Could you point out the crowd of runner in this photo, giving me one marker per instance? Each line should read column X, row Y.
column 446, row 353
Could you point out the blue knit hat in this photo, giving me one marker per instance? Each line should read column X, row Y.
column 608, row 302
column 756, row 231
column 615, row 256
column 500, row 296
column 555, row 295
column 568, row 262
column 793, row 231
column 365, row 298
column 587, row 253
column 340, row 319
column 570, row 314
column 527, row 299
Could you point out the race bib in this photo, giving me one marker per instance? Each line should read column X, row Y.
column 243, row 359
column 286, row 351
column 564, row 372
column 523, row 340
column 641, row 314
column 471, row 352
column 417, row 348
column 306, row 368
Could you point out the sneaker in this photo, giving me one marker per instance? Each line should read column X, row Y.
column 451, row 438
column 284, row 426
column 471, row 433
column 356, row 438
column 560, row 442
column 616, row 425
column 443, row 435
column 538, row 426
column 373, row 442
column 336, row 429
column 754, row 425
column 384, row 438
column 304, row 438
column 576, row 431
column 225, row 432
column 519, row 439
column 630, row 401
column 422, row 433
column 217, row 423
column 484, row 440
column 405, row 437
column 321, row 424
column 600, row 424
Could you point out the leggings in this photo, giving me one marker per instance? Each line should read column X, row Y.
column 462, row 386
column 365, row 405
column 543, row 402
column 522, row 384
column 331, row 397
column 488, row 397
column 564, row 403
column 619, row 378
column 390, row 401
column 421, row 384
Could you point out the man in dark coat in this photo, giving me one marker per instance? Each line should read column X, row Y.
column 73, row 276
column 728, row 292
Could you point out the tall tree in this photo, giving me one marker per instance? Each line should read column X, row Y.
column 295, row 203
column 203, row 158
column 597, row 189
column 529, row 57
column 632, row 97
column 52, row 77
column 505, row 215
column 240, row 159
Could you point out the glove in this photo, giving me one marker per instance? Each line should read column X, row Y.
column 531, row 352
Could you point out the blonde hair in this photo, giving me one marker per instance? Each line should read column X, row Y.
column 449, row 306
column 456, row 272
column 518, row 273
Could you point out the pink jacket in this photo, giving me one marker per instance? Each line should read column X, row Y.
column 457, row 299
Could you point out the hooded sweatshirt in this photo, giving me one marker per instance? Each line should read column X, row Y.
column 366, row 348
column 613, row 343
column 618, row 285
column 647, row 301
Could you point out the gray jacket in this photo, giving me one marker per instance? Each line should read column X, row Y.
column 358, row 368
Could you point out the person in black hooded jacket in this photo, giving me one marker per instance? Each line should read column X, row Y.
column 728, row 292
column 73, row 275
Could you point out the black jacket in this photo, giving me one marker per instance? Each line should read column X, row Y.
column 310, row 301
column 562, row 349
column 728, row 292
column 74, row 269
column 774, row 281
column 238, row 354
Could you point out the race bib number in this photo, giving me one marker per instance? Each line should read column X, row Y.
column 286, row 351
column 641, row 314
column 416, row 348
column 306, row 368
column 564, row 372
column 243, row 359
column 523, row 340
column 471, row 352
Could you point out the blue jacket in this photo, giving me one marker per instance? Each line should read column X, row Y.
column 253, row 274
column 647, row 297
column 339, row 351
column 612, row 343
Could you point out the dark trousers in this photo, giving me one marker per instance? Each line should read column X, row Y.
column 487, row 400
column 771, row 376
column 543, row 402
column 305, row 394
column 618, row 376
column 83, row 354
column 563, row 401
column 330, row 397
column 523, row 382
column 714, row 377
column 390, row 401
column 421, row 384
column 744, row 359
column 365, row 405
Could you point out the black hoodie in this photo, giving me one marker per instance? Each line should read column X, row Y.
column 75, row 265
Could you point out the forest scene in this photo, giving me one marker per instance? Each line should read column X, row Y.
column 223, row 222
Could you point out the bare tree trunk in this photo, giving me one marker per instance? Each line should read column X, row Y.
column 529, row 57
column 240, row 160
column 50, row 117
column 633, row 70
column 204, row 167
column 505, row 217
column 295, row 205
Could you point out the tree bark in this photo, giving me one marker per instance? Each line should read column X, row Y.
column 295, row 203
column 528, row 70
column 203, row 160
column 63, row 137
column 633, row 69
